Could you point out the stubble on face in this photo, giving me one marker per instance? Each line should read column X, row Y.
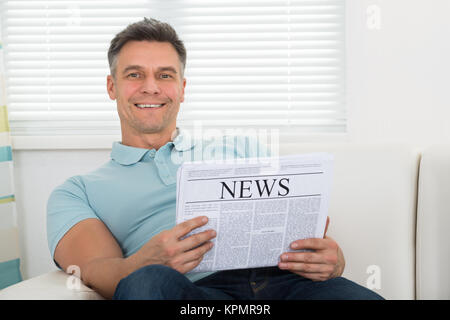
column 147, row 73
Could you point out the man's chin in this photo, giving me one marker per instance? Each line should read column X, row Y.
column 150, row 130
column 145, row 128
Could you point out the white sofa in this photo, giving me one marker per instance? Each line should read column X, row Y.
column 433, row 225
column 375, row 210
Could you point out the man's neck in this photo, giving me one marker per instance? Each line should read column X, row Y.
column 148, row 141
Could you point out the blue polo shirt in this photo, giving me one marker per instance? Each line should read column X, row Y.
column 134, row 194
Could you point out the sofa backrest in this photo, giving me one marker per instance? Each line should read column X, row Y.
column 373, row 212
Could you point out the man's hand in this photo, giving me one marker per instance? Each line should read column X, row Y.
column 326, row 261
column 166, row 248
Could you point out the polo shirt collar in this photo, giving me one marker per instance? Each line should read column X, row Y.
column 127, row 155
column 182, row 140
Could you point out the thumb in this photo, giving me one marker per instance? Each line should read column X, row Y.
column 326, row 227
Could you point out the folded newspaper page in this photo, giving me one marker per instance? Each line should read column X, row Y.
column 258, row 207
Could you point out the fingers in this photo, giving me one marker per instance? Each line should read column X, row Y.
column 197, row 239
column 197, row 253
column 189, row 266
column 320, row 264
column 326, row 227
column 187, row 226
column 304, row 257
column 192, row 258
column 310, row 265
column 194, row 240
column 311, row 243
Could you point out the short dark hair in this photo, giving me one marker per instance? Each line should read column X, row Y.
column 146, row 30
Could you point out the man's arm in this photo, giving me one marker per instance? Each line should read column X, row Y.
column 91, row 246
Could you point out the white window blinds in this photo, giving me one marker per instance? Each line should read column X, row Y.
column 254, row 63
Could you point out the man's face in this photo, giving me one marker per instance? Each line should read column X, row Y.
column 148, row 87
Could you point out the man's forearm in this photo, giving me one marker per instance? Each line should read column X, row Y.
column 104, row 274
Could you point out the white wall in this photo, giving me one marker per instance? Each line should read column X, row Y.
column 398, row 85
column 399, row 75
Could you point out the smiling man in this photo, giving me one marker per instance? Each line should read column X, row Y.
column 117, row 223
column 147, row 82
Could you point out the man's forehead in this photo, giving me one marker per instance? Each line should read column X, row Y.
column 142, row 53
column 156, row 48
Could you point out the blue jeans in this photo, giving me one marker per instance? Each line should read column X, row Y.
column 158, row 282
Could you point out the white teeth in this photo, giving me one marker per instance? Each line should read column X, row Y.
column 149, row 105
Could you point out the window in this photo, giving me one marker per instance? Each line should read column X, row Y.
column 254, row 63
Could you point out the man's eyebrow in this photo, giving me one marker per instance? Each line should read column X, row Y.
column 138, row 67
column 171, row 69
column 132, row 67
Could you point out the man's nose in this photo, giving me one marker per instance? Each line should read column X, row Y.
column 150, row 86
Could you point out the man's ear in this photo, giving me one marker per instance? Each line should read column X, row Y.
column 110, row 87
column 182, row 90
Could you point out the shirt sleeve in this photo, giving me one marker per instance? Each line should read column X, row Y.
column 67, row 205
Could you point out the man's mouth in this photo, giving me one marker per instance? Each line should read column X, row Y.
column 142, row 106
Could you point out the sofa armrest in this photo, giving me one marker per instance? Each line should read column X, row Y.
column 433, row 222
column 55, row 285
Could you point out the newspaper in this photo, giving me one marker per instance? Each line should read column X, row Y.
column 258, row 207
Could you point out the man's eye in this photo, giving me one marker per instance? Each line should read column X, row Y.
column 165, row 76
column 133, row 75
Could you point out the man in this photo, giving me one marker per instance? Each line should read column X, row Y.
column 117, row 223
